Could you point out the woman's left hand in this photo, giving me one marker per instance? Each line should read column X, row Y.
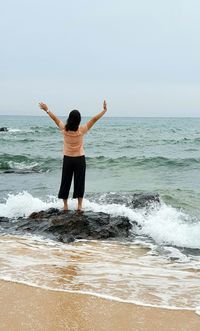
column 43, row 106
column 105, row 106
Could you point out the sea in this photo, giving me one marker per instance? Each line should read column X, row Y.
column 159, row 264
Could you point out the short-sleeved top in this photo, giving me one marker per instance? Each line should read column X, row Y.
column 73, row 140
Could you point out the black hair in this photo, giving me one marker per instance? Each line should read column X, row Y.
column 73, row 121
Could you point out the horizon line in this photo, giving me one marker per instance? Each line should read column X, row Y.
column 105, row 116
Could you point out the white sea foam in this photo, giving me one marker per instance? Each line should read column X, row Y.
column 23, row 204
column 98, row 295
column 164, row 224
column 167, row 225
column 197, row 311
column 22, row 165
column 14, row 130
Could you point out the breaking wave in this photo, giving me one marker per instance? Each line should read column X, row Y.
column 25, row 164
column 164, row 224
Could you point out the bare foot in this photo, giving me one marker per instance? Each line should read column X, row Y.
column 79, row 210
column 65, row 208
column 80, row 203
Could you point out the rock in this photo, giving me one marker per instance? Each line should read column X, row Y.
column 141, row 200
column 135, row 200
column 3, row 129
column 4, row 219
column 67, row 239
column 42, row 213
column 71, row 225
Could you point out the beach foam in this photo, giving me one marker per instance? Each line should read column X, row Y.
column 197, row 310
column 121, row 272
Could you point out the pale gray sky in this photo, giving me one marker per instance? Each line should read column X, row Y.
column 142, row 56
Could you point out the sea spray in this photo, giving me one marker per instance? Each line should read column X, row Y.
column 23, row 204
column 169, row 226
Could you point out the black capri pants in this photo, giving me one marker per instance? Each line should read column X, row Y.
column 73, row 166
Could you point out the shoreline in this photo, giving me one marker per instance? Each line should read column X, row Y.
column 100, row 296
column 25, row 308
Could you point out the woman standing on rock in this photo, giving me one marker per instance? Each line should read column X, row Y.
column 74, row 164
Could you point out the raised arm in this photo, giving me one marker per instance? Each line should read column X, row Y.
column 97, row 117
column 44, row 107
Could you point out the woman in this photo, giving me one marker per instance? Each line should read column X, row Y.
column 74, row 156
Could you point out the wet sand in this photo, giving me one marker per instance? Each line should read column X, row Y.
column 26, row 308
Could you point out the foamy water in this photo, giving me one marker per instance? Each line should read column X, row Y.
column 147, row 270
column 126, row 272
column 164, row 224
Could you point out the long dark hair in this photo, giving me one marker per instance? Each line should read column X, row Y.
column 73, row 121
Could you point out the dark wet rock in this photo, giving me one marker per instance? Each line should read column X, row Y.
column 117, row 198
column 19, row 171
column 71, row 225
column 68, row 226
column 136, row 200
column 3, row 129
column 42, row 213
column 4, row 219
column 141, row 200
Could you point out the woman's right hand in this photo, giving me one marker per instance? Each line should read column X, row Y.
column 43, row 106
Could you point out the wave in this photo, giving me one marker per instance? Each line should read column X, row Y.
column 21, row 131
column 174, row 141
column 18, row 141
column 31, row 130
column 25, row 164
column 22, row 163
column 23, row 204
column 14, row 130
column 157, row 161
column 162, row 223
column 44, row 130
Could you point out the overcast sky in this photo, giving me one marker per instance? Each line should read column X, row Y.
column 142, row 56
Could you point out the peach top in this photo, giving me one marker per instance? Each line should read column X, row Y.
column 73, row 140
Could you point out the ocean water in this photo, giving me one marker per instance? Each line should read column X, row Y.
column 160, row 264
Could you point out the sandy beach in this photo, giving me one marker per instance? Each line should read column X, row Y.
column 26, row 308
